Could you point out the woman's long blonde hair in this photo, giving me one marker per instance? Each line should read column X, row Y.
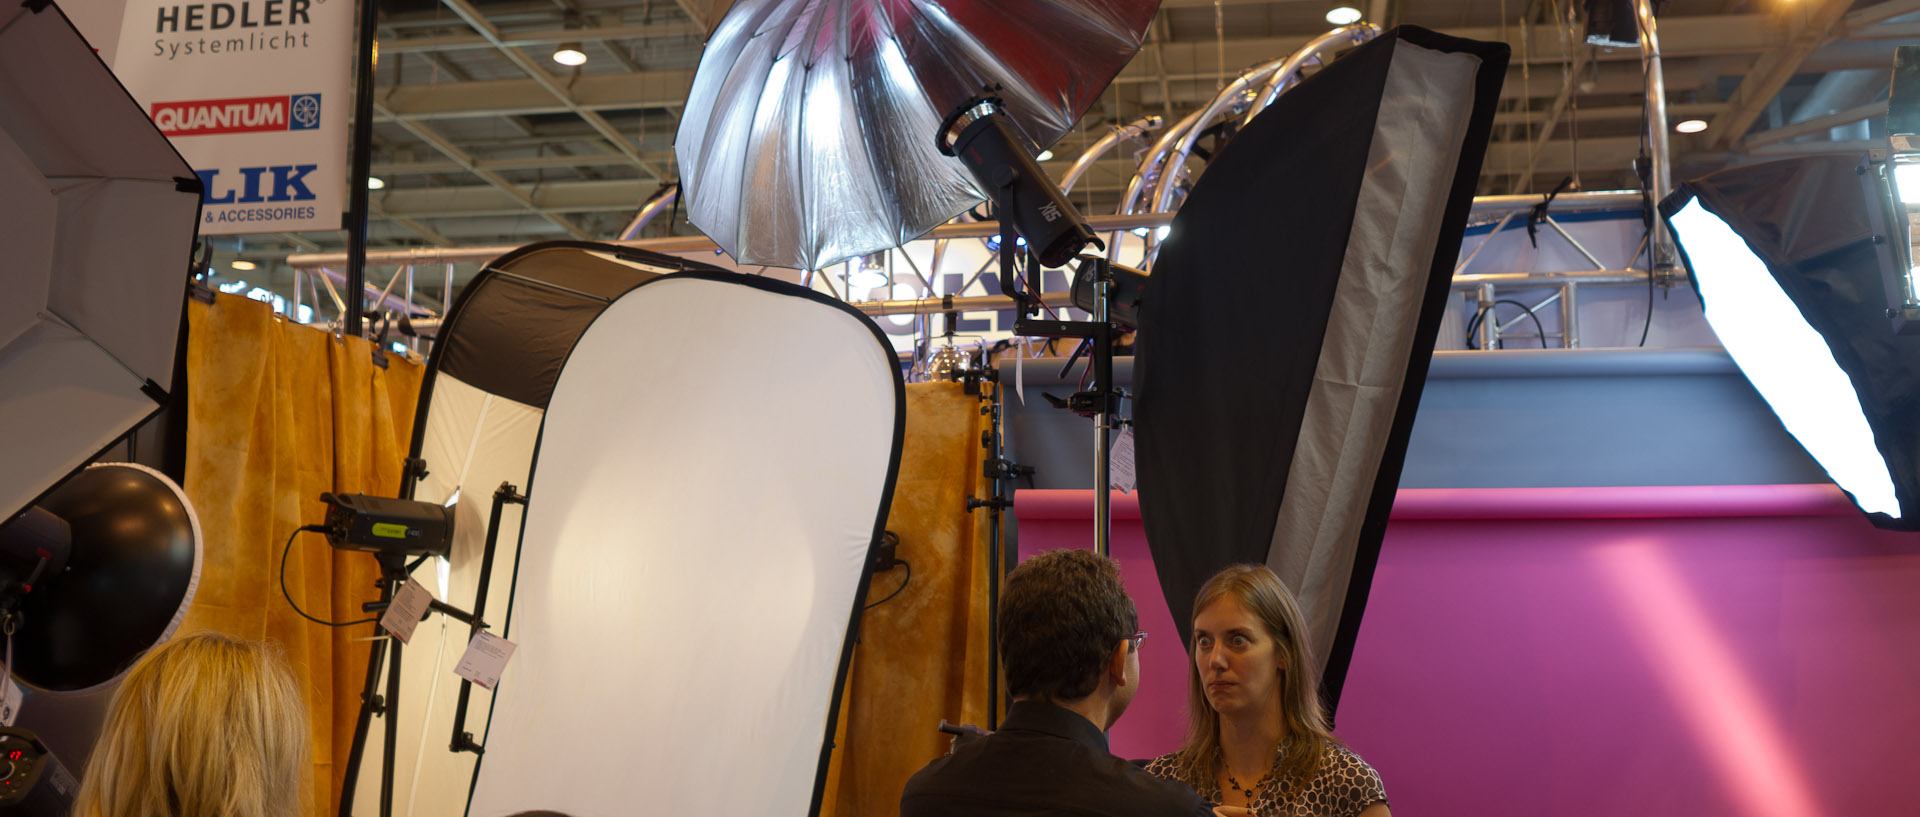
column 202, row 726
column 1306, row 736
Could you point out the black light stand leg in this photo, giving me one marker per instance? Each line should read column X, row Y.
column 394, row 569
column 993, row 566
column 393, row 729
column 370, row 703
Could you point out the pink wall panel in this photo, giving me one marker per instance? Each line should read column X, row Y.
column 1604, row 651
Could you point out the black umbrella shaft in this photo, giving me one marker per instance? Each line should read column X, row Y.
column 362, row 168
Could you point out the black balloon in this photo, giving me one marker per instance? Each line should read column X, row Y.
column 130, row 570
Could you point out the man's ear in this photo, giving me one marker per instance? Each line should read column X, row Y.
column 1117, row 664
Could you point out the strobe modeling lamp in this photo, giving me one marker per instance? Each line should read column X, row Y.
column 1791, row 261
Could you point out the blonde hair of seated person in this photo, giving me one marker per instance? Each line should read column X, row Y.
column 202, row 726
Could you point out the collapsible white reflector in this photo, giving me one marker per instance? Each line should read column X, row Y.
column 701, row 509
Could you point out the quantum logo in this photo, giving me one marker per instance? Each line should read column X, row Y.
column 239, row 115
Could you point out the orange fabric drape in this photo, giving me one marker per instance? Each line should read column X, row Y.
column 922, row 655
column 276, row 414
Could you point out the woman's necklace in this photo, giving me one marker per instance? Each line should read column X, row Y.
column 1252, row 794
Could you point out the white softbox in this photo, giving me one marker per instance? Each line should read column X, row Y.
column 97, row 216
column 694, row 556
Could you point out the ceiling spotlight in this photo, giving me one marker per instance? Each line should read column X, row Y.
column 1044, row 156
column 243, row 265
column 1343, row 16
column 375, row 182
column 1691, row 126
column 569, row 54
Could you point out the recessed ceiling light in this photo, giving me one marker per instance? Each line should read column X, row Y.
column 1343, row 16
column 1691, row 126
column 375, row 182
column 243, row 265
column 569, row 54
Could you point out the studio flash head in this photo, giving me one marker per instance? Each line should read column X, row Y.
column 380, row 525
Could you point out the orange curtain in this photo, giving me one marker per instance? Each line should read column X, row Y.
column 276, row 414
column 922, row 655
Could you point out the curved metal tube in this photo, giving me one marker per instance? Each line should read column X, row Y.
column 1136, row 128
column 1170, row 153
column 652, row 208
column 1280, row 70
column 1309, row 54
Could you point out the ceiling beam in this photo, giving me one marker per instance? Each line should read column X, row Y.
column 529, row 39
column 388, row 170
column 599, row 92
column 499, row 184
column 479, row 22
column 1811, row 26
column 1815, row 125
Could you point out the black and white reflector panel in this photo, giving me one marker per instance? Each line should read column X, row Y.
column 716, row 460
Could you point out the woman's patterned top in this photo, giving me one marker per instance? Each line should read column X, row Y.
column 1345, row 786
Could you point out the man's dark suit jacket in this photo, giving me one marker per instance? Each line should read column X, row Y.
column 1044, row 760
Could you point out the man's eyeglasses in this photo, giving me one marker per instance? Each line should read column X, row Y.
column 1135, row 640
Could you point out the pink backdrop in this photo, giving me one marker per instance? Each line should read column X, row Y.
column 1748, row 650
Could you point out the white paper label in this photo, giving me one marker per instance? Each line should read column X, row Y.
column 1020, row 369
column 406, row 609
column 486, row 657
column 10, row 703
column 1120, row 469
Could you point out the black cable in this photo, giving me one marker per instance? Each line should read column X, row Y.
column 1648, row 323
column 1647, row 205
column 896, row 591
column 283, row 581
column 1488, row 310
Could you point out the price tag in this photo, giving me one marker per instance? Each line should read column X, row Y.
column 1120, row 470
column 404, row 612
column 10, row 702
column 1020, row 369
column 485, row 659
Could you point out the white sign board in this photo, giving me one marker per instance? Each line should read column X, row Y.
column 254, row 93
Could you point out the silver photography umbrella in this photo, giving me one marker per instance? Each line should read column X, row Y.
column 97, row 216
column 808, row 136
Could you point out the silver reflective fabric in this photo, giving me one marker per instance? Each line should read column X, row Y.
column 808, row 136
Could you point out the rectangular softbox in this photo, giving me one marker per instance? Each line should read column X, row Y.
column 1290, row 317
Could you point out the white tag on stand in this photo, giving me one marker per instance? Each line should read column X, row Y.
column 404, row 612
column 1020, row 369
column 486, row 657
column 1120, row 457
column 10, row 698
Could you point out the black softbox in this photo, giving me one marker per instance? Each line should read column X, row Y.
column 1290, row 319
column 1797, row 262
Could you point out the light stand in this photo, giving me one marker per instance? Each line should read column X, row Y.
column 1032, row 207
column 394, row 530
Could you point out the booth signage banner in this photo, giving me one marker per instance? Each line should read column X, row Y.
column 254, row 93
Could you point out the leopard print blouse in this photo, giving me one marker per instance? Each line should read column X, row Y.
column 1345, row 787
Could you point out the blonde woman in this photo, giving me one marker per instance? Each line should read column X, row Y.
column 203, row 726
column 1258, row 738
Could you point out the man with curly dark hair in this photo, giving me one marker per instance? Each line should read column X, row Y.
column 1069, row 642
